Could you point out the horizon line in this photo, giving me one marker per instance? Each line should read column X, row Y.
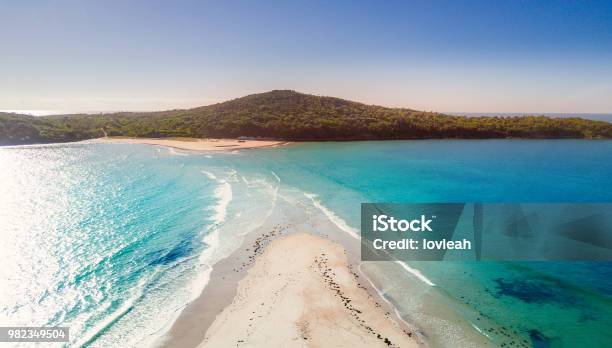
column 52, row 112
column 65, row 111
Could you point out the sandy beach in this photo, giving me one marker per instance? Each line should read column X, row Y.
column 301, row 292
column 193, row 144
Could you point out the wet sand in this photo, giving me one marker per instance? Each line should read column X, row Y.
column 426, row 315
column 191, row 326
column 301, row 292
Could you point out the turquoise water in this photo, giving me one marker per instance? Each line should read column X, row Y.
column 552, row 303
column 114, row 240
column 111, row 241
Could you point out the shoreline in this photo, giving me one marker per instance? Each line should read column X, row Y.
column 189, row 328
column 314, row 297
column 433, row 309
column 193, row 320
column 192, row 144
column 439, row 325
column 180, row 142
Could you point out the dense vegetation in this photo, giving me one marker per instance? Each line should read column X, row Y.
column 292, row 116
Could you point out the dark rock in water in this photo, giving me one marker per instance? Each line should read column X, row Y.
column 532, row 291
column 538, row 339
column 179, row 251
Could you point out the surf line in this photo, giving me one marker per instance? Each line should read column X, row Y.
column 340, row 223
column 335, row 219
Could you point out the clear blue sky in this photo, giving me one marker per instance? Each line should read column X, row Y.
column 478, row 56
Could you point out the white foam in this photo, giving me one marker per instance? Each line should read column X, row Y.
column 482, row 332
column 276, row 176
column 232, row 176
column 161, row 334
column 88, row 337
column 274, row 193
column 416, row 273
column 210, row 175
column 341, row 224
column 382, row 296
column 224, row 194
column 176, row 153
column 335, row 219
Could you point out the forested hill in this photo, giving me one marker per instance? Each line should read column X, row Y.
column 292, row 116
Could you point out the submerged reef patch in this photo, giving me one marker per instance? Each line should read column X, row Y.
column 532, row 291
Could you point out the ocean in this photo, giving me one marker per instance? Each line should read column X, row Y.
column 114, row 240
